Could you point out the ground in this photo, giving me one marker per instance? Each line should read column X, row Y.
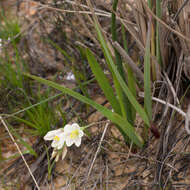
column 104, row 160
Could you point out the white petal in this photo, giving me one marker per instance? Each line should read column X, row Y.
column 69, row 142
column 54, row 153
column 78, row 142
column 50, row 135
column 81, row 133
column 57, row 158
column 61, row 138
column 67, row 128
column 72, row 128
column 64, row 153
column 54, row 144
column 76, row 126
column 60, row 145
column 61, row 142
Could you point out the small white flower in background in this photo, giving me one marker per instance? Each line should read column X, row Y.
column 70, row 76
column 57, row 136
column 73, row 134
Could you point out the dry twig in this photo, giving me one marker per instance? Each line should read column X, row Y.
column 20, row 152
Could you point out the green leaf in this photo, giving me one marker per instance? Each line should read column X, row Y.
column 130, row 80
column 61, row 50
column 103, row 81
column 147, row 79
column 114, row 117
column 126, row 90
column 28, row 123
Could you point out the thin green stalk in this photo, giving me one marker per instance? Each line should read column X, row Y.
column 114, row 38
column 150, row 4
column 121, row 96
column 158, row 14
column 130, row 79
column 147, row 77
column 153, row 44
column 147, row 82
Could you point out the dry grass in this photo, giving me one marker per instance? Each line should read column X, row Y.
column 163, row 163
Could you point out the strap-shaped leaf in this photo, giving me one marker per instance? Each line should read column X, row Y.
column 103, row 81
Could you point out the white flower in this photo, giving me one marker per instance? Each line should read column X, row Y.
column 57, row 136
column 73, row 134
column 70, row 76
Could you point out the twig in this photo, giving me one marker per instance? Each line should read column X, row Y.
column 166, row 25
column 129, row 61
column 78, row 168
column 141, row 94
column 20, row 152
column 98, row 149
column 187, row 120
column 186, row 115
column 172, row 89
column 180, row 9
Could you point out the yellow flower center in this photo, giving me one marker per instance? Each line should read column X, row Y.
column 74, row 134
column 56, row 138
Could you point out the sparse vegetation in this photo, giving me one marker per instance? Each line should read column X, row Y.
column 120, row 67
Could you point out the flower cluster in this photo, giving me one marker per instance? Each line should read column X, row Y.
column 67, row 136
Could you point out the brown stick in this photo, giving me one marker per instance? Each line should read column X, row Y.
column 129, row 61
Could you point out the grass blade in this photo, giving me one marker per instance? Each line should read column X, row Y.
column 158, row 14
column 123, row 100
column 26, row 122
column 147, row 79
column 103, row 81
column 130, row 80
